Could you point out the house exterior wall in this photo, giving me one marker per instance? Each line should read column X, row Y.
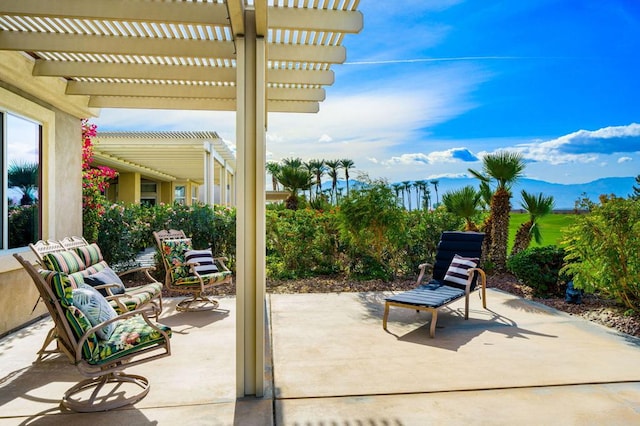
column 61, row 201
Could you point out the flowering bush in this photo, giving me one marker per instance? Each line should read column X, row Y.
column 95, row 182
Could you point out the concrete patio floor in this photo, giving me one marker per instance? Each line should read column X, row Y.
column 330, row 363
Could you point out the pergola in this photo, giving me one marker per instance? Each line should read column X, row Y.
column 248, row 56
column 186, row 156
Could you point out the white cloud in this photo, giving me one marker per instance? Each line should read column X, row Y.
column 624, row 160
column 453, row 155
column 325, row 138
column 584, row 146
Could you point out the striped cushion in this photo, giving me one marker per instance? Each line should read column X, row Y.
column 204, row 258
column 457, row 272
column 90, row 254
column 61, row 285
column 80, row 325
column 64, row 261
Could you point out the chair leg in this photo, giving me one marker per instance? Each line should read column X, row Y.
column 105, row 393
column 43, row 353
column 197, row 302
column 434, row 320
column 385, row 316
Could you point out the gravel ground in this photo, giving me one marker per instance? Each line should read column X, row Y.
column 592, row 308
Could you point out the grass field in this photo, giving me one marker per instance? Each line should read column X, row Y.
column 551, row 227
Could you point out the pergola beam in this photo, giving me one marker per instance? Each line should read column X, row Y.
column 133, row 71
column 122, row 10
column 315, row 19
column 114, row 45
column 202, row 104
column 187, row 91
column 71, row 69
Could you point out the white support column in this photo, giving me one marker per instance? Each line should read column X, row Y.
column 250, row 245
column 209, row 176
column 224, row 192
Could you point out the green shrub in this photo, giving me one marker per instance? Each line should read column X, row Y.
column 372, row 229
column 603, row 248
column 423, row 234
column 23, row 225
column 539, row 268
column 300, row 243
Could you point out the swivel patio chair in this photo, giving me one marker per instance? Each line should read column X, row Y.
column 190, row 271
column 83, row 262
column 455, row 276
column 100, row 342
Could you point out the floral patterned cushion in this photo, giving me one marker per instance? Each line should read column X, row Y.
column 130, row 335
column 212, row 278
column 174, row 252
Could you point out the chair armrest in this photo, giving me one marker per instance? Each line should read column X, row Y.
column 145, row 269
column 423, row 268
column 483, row 283
column 221, row 261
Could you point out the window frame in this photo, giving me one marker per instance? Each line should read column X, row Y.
column 11, row 103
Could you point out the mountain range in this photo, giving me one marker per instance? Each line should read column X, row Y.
column 564, row 195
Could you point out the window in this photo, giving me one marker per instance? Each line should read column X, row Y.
column 21, row 145
column 180, row 195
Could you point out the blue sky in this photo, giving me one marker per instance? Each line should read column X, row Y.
column 429, row 87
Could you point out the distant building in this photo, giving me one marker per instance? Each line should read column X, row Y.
column 168, row 166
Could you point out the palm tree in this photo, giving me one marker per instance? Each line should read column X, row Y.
column 465, row 203
column 397, row 188
column 293, row 162
column 333, row 166
column 24, row 176
column 294, row 179
column 537, row 207
column 427, row 197
column 487, row 225
column 505, row 167
column 317, row 168
column 347, row 164
column 435, row 183
column 407, row 187
column 419, row 186
column 636, row 189
column 273, row 168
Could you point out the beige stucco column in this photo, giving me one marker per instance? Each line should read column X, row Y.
column 250, row 243
column 129, row 187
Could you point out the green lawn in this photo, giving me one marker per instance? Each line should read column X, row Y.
column 551, row 227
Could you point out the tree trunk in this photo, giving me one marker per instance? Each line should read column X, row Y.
column 523, row 238
column 486, row 243
column 501, row 207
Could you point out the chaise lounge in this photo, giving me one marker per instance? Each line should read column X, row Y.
column 455, row 275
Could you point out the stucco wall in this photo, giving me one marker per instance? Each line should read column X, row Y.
column 68, row 191
column 61, row 200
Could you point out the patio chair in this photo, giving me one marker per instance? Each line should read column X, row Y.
column 455, row 275
column 85, row 264
column 99, row 341
column 190, row 271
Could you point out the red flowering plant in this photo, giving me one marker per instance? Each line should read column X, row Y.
column 95, row 182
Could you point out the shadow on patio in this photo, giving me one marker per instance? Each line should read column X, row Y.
column 330, row 362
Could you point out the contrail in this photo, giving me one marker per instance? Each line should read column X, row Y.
column 460, row 58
